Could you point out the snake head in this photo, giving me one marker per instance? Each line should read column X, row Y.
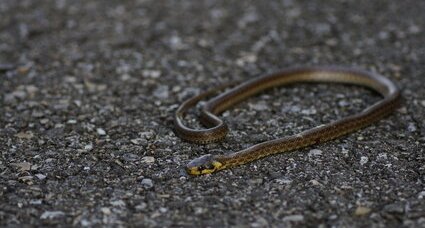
column 203, row 165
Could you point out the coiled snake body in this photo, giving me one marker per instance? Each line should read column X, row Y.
column 217, row 129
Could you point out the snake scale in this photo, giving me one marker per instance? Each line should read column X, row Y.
column 216, row 129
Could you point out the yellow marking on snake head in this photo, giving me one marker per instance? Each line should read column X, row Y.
column 203, row 165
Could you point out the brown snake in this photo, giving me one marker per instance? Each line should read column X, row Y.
column 217, row 129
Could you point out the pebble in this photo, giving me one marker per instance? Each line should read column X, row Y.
column 343, row 103
column 19, row 94
column 260, row 222
column 395, row 208
column 293, row 218
column 199, row 211
column 315, row 152
column 423, row 103
column 6, row 66
column 151, row 73
column 106, row 210
column 100, row 131
column 118, row 203
column 37, row 114
column 25, row 135
column 148, row 159
column 310, row 111
column 176, row 42
column 31, row 89
column 22, row 166
column 403, row 110
column 147, row 183
column 139, row 141
column 411, row 127
column 333, row 217
column 283, row 181
column 36, row 202
column 88, row 147
column 40, row 176
column 52, row 214
column 44, row 121
column 344, row 152
column 141, row 207
column 147, row 134
column 256, row 181
column 162, row 92
column 130, row 157
column 361, row 211
column 363, row 160
column 260, row 106
column 315, row 182
column 71, row 121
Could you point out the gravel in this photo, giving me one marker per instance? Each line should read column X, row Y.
column 89, row 88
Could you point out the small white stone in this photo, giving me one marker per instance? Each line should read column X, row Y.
column 88, row 146
column 403, row 110
column 138, row 141
column 148, row 159
column 310, row 111
column 293, row 218
column 362, row 211
column 125, row 77
column 382, row 156
column 118, row 203
column 363, row 160
column 106, row 210
column 22, row 166
column 85, row 222
column 151, row 73
column 260, row 106
column 142, row 206
column 40, row 176
column 72, row 121
column 423, row 103
column 283, row 181
column 147, row 134
column 44, row 121
column 77, row 102
column 36, row 202
column 315, row 152
column 333, row 217
column 411, row 127
column 147, row 183
column 52, row 214
column 100, row 131
column 315, row 182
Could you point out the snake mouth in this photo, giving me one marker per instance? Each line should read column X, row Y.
column 205, row 164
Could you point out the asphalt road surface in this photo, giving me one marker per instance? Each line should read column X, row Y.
column 88, row 89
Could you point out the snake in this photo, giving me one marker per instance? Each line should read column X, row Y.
column 216, row 129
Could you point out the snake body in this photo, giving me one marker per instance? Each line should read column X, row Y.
column 216, row 129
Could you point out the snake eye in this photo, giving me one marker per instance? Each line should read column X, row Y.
column 209, row 166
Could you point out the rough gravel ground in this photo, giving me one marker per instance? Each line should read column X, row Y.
column 88, row 90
